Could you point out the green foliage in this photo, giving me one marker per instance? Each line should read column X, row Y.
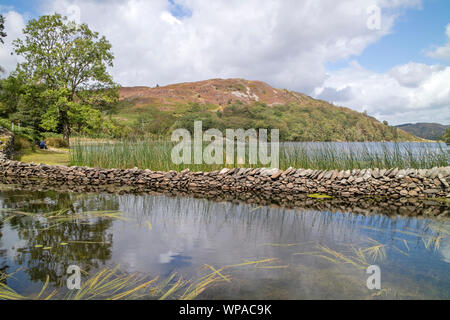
column 2, row 28
column 314, row 121
column 26, row 133
column 63, row 85
column 2, row 33
column 154, row 121
column 430, row 131
column 56, row 142
column 446, row 136
column 21, row 143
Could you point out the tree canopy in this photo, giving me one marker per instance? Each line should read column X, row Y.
column 63, row 82
column 446, row 136
column 2, row 28
column 2, row 33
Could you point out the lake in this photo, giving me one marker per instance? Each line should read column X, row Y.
column 262, row 252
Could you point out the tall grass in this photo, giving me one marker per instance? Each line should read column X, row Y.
column 156, row 155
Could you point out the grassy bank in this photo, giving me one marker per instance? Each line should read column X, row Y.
column 157, row 156
column 53, row 157
column 26, row 151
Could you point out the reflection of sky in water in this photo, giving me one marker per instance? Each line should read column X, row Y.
column 186, row 234
column 414, row 147
column 445, row 251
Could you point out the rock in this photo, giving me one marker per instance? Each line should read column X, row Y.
column 400, row 174
column 327, row 175
column 376, row 173
column 392, row 173
column 347, row 174
column 224, row 171
column 433, row 173
column 359, row 180
column 413, row 193
column 443, row 181
column 321, row 175
column 276, row 175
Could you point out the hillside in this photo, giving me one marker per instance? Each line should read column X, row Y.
column 239, row 103
column 430, row 131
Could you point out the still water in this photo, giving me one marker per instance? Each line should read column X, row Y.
column 305, row 254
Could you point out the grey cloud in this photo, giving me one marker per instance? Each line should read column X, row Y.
column 335, row 95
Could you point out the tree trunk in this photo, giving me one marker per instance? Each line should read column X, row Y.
column 66, row 128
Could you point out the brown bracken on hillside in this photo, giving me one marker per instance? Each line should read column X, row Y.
column 215, row 91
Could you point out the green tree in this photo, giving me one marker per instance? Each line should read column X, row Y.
column 71, row 61
column 2, row 28
column 446, row 136
column 2, row 33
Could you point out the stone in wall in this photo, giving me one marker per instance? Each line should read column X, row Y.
column 291, row 183
column 6, row 144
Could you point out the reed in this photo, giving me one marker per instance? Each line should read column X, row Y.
column 110, row 283
column 52, row 219
column 156, row 155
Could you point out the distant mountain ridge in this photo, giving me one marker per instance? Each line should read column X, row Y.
column 430, row 131
column 215, row 91
column 240, row 103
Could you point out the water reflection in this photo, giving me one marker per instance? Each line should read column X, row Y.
column 428, row 207
column 93, row 241
column 165, row 234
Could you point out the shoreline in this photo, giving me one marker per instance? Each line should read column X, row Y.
column 435, row 208
column 291, row 184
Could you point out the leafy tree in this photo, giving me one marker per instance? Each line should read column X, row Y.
column 155, row 121
column 2, row 33
column 2, row 28
column 71, row 61
column 446, row 136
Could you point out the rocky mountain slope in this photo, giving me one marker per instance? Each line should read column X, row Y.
column 239, row 103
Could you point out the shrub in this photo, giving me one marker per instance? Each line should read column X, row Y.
column 22, row 143
column 56, row 142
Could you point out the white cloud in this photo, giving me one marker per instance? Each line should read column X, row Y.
column 284, row 43
column 407, row 93
column 413, row 74
column 442, row 53
column 14, row 23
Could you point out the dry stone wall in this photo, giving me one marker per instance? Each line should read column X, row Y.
column 6, row 144
column 289, row 184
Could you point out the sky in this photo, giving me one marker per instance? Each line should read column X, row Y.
column 390, row 58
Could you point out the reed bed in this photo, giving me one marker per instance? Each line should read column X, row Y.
column 156, row 155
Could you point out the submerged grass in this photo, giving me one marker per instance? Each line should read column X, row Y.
column 360, row 258
column 63, row 215
column 321, row 156
column 112, row 284
column 431, row 237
